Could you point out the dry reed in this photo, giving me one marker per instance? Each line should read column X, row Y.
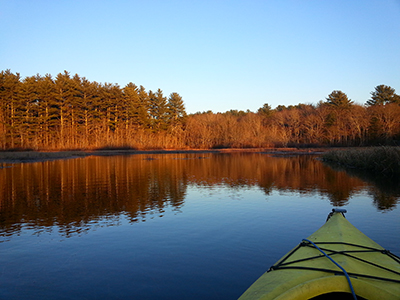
column 384, row 160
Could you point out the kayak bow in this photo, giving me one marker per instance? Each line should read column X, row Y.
column 337, row 258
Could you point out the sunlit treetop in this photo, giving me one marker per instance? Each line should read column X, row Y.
column 338, row 99
column 382, row 95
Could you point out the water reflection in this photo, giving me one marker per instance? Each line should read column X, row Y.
column 75, row 194
column 384, row 189
column 303, row 174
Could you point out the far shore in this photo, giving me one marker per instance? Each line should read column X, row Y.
column 38, row 156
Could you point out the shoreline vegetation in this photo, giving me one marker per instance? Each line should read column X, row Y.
column 383, row 160
column 38, row 156
column 69, row 112
column 46, row 118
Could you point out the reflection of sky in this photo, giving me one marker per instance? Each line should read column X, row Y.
column 215, row 245
column 127, row 227
column 283, row 211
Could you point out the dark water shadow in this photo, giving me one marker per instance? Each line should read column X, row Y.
column 384, row 189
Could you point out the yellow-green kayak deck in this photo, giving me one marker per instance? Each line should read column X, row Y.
column 305, row 272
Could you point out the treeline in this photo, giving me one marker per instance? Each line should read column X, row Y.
column 70, row 112
column 334, row 122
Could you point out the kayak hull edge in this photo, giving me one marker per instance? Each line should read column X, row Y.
column 295, row 283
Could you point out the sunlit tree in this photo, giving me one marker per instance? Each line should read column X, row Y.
column 9, row 89
column 27, row 112
column 112, row 105
column 158, row 110
column 66, row 96
column 87, row 104
column 383, row 94
column 131, row 105
column 265, row 110
column 143, row 108
column 338, row 99
column 175, row 108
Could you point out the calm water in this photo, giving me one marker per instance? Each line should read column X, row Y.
column 193, row 226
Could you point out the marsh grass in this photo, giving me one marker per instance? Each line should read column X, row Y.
column 383, row 160
column 30, row 156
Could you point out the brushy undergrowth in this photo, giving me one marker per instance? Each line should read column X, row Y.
column 384, row 160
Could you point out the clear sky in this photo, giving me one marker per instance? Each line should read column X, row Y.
column 218, row 55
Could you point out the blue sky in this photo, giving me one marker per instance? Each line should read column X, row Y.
column 218, row 55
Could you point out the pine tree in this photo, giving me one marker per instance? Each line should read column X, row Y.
column 72, row 112
column 111, row 106
column 48, row 110
column 337, row 123
column 265, row 110
column 10, row 85
column 158, row 110
column 338, row 99
column 144, row 108
column 131, row 105
column 85, row 110
column 28, row 111
column 382, row 95
column 175, row 109
column 66, row 94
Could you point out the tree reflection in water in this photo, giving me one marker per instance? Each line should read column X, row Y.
column 75, row 195
column 384, row 189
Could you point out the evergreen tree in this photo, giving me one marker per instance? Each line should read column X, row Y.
column 337, row 122
column 27, row 111
column 131, row 105
column 382, row 95
column 48, row 110
column 66, row 96
column 144, row 108
column 10, row 85
column 86, row 104
column 338, row 99
column 112, row 105
column 158, row 110
column 265, row 110
column 281, row 107
column 72, row 112
column 175, row 108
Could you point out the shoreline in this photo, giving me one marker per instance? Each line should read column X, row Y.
column 378, row 160
column 39, row 156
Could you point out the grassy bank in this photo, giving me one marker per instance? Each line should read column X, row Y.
column 32, row 156
column 35, row 156
column 384, row 160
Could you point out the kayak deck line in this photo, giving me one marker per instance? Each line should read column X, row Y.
column 339, row 266
column 372, row 272
column 305, row 243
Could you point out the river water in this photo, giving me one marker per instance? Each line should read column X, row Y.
column 175, row 226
